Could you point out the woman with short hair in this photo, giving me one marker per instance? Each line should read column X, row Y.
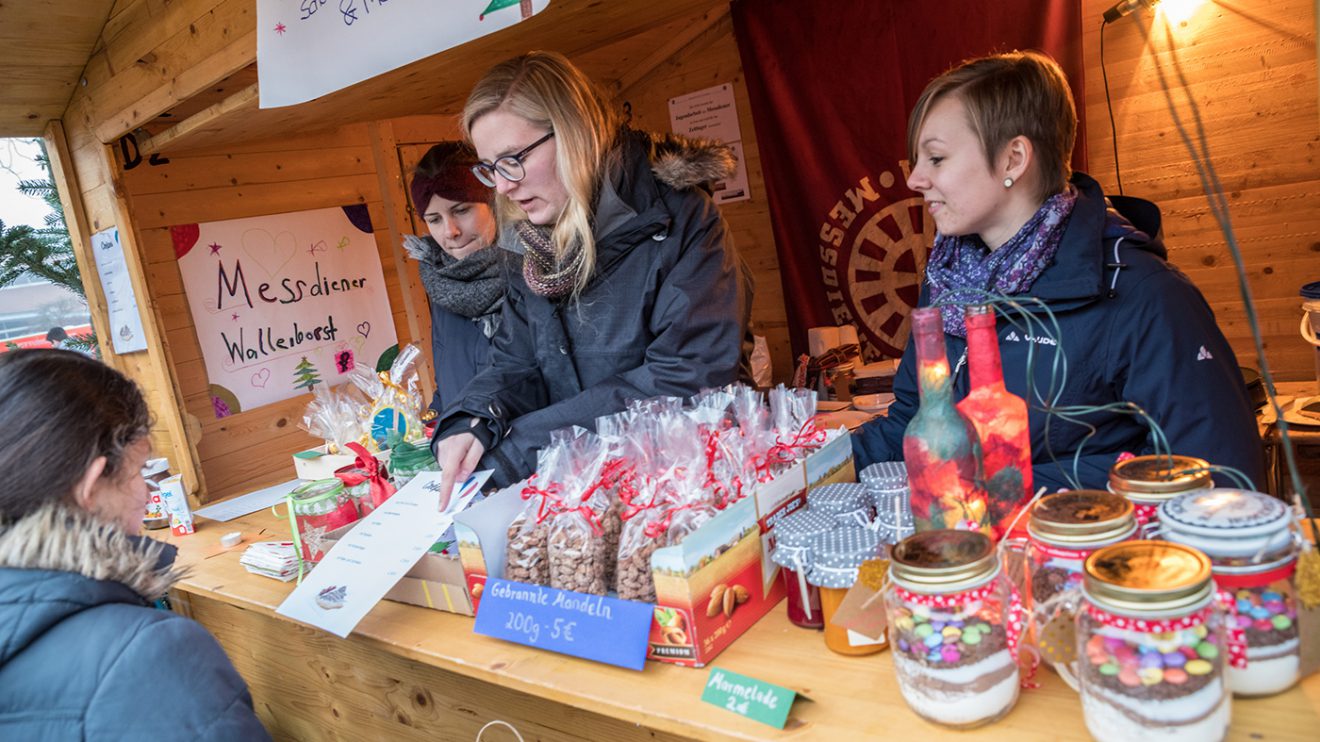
column 989, row 143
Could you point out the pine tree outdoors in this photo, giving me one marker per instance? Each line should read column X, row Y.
column 46, row 251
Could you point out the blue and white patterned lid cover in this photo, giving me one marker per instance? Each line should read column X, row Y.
column 885, row 475
column 843, row 497
column 836, row 555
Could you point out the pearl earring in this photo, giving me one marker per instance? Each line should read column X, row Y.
column 1008, row 182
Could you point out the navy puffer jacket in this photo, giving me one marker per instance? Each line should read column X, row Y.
column 84, row 655
column 1133, row 328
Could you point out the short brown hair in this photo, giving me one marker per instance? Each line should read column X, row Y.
column 1019, row 93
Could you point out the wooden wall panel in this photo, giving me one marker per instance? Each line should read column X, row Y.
column 1251, row 70
column 249, row 449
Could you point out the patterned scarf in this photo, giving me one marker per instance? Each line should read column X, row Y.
column 545, row 274
column 960, row 267
column 472, row 287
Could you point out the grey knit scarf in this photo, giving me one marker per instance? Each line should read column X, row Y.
column 472, row 287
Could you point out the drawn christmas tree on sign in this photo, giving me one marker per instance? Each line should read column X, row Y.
column 523, row 5
column 306, row 375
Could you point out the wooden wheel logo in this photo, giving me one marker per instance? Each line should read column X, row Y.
column 881, row 258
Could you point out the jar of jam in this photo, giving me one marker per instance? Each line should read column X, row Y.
column 317, row 508
column 847, row 502
column 955, row 620
column 1150, row 645
column 1253, row 552
column 835, row 559
column 1064, row 529
column 1150, row 480
column 408, row 460
column 794, row 536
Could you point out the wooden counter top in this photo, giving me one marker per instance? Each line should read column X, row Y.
column 850, row 698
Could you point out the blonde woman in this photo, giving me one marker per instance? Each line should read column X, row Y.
column 629, row 285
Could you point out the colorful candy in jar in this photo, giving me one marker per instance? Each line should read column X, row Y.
column 955, row 622
column 1253, row 552
column 1150, row 645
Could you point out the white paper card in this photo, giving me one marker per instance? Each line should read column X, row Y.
column 240, row 506
column 307, row 48
column 126, row 331
column 713, row 114
column 370, row 559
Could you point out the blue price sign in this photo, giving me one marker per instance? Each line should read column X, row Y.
column 592, row 627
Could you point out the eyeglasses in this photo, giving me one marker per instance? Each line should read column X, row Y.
column 510, row 167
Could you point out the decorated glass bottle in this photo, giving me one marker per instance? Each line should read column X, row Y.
column 1000, row 418
column 940, row 446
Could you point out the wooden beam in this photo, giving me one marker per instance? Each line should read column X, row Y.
column 211, row 117
column 708, row 20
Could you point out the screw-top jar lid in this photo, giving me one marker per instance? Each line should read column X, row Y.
column 315, row 491
column 1081, row 517
column 841, row 497
column 1148, row 577
column 155, row 466
column 885, row 475
column 1228, row 522
column 836, row 555
column 943, row 561
column 1159, row 477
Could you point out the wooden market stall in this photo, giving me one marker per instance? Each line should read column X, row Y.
column 150, row 112
column 179, row 79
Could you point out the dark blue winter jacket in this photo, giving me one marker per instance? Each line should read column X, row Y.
column 459, row 350
column 85, row 656
column 1133, row 328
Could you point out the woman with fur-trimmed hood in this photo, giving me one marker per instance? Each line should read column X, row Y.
column 83, row 654
column 629, row 284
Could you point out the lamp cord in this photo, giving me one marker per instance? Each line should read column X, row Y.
column 1109, row 105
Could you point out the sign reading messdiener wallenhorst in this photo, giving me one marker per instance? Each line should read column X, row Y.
column 592, row 627
column 756, row 699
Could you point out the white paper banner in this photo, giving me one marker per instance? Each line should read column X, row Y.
column 282, row 303
column 713, row 114
column 370, row 559
column 126, row 331
column 307, row 48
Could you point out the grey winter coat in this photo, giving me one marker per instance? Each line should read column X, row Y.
column 665, row 313
column 84, row 655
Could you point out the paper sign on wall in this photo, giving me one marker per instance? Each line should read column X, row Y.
column 713, row 114
column 307, row 48
column 282, row 303
column 126, row 331
column 370, row 559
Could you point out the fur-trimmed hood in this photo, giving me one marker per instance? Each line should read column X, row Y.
column 684, row 162
column 63, row 539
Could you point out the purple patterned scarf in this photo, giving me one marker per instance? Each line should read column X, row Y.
column 960, row 267
column 545, row 274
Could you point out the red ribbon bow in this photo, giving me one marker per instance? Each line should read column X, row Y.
column 552, row 505
column 366, row 468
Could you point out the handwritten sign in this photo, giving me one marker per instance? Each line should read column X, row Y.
column 283, row 303
column 362, row 566
column 756, row 699
column 308, row 48
column 592, row 627
column 121, row 302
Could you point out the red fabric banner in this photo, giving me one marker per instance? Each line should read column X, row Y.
column 831, row 85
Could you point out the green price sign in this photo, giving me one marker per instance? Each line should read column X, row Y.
column 756, row 699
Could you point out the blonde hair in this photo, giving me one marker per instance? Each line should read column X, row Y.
column 546, row 90
column 1019, row 93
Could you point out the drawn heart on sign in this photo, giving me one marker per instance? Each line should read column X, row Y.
column 364, row 329
column 260, row 378
column 271, row 253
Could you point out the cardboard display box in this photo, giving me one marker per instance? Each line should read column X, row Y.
column 691, row 623
column 435, row 582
